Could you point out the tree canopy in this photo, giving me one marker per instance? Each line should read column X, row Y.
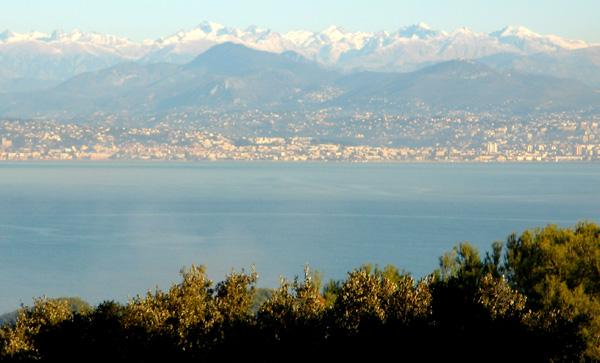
column 534, row 297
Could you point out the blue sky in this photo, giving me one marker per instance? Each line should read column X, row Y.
column 151, row 19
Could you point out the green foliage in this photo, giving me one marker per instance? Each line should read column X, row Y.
column 463, row 262
column 559, row 271
column 184, row 305
column 371, row 297
column 292, row 305
column 331, row 291
column 19, row 341
column 74, row 304
column 572, row 255
column 493, row 262
column 541, row 289
column 361, row 300
column 498, row 298
column 262, row 295
column 235, row 296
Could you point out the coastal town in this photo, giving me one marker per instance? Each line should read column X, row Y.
column 316, row 136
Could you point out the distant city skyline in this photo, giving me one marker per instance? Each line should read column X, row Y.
column 152, row 19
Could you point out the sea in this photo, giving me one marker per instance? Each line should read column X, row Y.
column 115, row 230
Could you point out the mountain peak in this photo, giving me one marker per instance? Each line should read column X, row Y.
column 12, row 36
column 334, row 28
column 7, row 34
column 334, row 33
column 524, row 39
column 75, row 35
column 417, row 31
column 256, row 30
column 408, row 48
column 516, row 31
column 210, row 27
column 463, row 30
column 232, row 59
column 57, row 34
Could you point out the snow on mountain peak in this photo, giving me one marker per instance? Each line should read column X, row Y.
column 256, row 30
column 206, row 30
column 334, row 33
column 11, row 36
column 334, row 45
column 299, row 38
column 567, row 43
column 78, row 36
column 417, row 31
column 38, row 35
column 333, row 29
column 75, row 35
column 464, row 32
column 57, row 34
column 536, row 41
column 7, row 34
column 210, row 27
column 518, row 31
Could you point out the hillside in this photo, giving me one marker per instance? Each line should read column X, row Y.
column 233, row 77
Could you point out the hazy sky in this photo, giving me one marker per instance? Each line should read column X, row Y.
column 151, row 19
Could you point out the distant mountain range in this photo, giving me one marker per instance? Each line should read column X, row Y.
column 37, row 60
column 231, row 76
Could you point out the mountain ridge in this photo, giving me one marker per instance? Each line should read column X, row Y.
column 231, row 76
column 60, row 55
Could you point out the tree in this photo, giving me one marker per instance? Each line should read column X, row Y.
column 559, row 272
column 19, row 341
column 295, row 316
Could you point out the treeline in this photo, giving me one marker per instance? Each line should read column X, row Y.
column 532, row 298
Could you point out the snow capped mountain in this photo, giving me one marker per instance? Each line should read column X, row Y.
column 54, row 57
column 335, row 44
column 517, row 31
column 419, row 31
column 59, row 36
column 530, row 42
column 57, row 56
column 11, row 36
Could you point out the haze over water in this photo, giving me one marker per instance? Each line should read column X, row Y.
column 103, row 231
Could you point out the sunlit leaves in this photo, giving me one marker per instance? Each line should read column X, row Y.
column 542, row 288
column 19, row 341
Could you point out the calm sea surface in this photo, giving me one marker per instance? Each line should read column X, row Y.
column 106, row 231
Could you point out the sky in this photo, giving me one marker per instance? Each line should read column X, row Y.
column 150, row 19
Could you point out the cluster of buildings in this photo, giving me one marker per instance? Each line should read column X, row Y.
column 329, row 135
